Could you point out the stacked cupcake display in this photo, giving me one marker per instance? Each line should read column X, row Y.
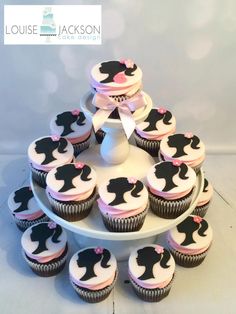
column 122, row 202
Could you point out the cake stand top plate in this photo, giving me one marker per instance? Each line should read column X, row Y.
column 93, row 227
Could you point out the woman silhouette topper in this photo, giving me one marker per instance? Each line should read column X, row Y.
column 68, row 172
column 189, row 226
column 41, row 233
column 23, row 196
column 120, row 186
column 66, row 119
column 148, row 257
column 89, row 258
column 155, row 116
column 47, row 146
column 112, row 68
column 180, row 141
column 166, row 170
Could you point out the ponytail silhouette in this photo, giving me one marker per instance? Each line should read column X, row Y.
column 154, row 116
column 89, row 258
column 23, row 196
column 114, row 67
column 68, row 172
column 41, row 233
column 189, row 226
column 179, row 141
column 148, row 257
column 66, row 119
column 120, row 186
column 47, row 146
column 205, row 188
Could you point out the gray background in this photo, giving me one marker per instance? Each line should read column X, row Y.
column 186, row 50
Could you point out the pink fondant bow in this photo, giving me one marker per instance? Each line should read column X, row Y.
column 106, row 105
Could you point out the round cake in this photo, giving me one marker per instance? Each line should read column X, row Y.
column 74, row 126
column 170, row 186
column 71, row 190
column 187, row 148
column 24, row 208
column 123, row 203
column 190, row 241
column 46, row 153
column 45, row 248
column 151, row 271
column 148, row 134
column 93, row 273
column 204, row 199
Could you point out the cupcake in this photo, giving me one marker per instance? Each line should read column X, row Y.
column 170, row 187
column 46, row 153
column 187, row 148
column 123, row 203
column 74, row 126
column 148, row 134
column 204, row 199
column 190, row 241
column 93, row 273
column 71, row 190
column 24, row 209
column 45, row 248
column 151, row 272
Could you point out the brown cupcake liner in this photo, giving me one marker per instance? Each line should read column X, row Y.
column 150, row 146
column 128, row 224
column 48, row 269
column 39, row 176
column 151, row 295
column 201, row 210
column 73, row 211
column 94, row 296
column 188, row 260
column 99, row 135
column 169, row 209
column 80, row 147
column 24, row 224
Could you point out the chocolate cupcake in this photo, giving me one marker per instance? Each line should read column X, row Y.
column 45, row 248
column 93, row 273
column 170, row 186
column 187, row 148
column 148, row 134
column 151, row 272
column 74, row 126
column 46, row 153
column 189, row 242
column 123, row 204
column 71, row 190
column 204, row 199
column 24, row 209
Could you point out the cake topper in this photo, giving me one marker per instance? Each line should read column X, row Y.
column 67, row 118
column 23, row 196
column 180, row 141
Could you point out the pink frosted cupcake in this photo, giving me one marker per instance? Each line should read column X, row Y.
column 151, row 271
column 187, row 148
column 170, row 187
column 93, row 273
column 189, row 242
column 123, row 204
column 204, row 199
column 74, row 126
column 71, row 190
column 148, row 134
column 46, row 153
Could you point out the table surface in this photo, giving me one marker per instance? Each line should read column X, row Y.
column 205, row 289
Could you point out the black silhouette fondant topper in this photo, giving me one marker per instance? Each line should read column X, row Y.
column 42, row 232
column 23, row 196
column 155, row 116
column 112, row 68
column 206, row 183
column 47, row 146
column 89, row 258
column 180, row 141
column 166, row 170
column 148, row 257
column 120, row 186
column 66, row 119
column 68, row 172
column 189, row 226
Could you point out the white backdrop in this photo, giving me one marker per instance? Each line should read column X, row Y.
column 186, row 49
